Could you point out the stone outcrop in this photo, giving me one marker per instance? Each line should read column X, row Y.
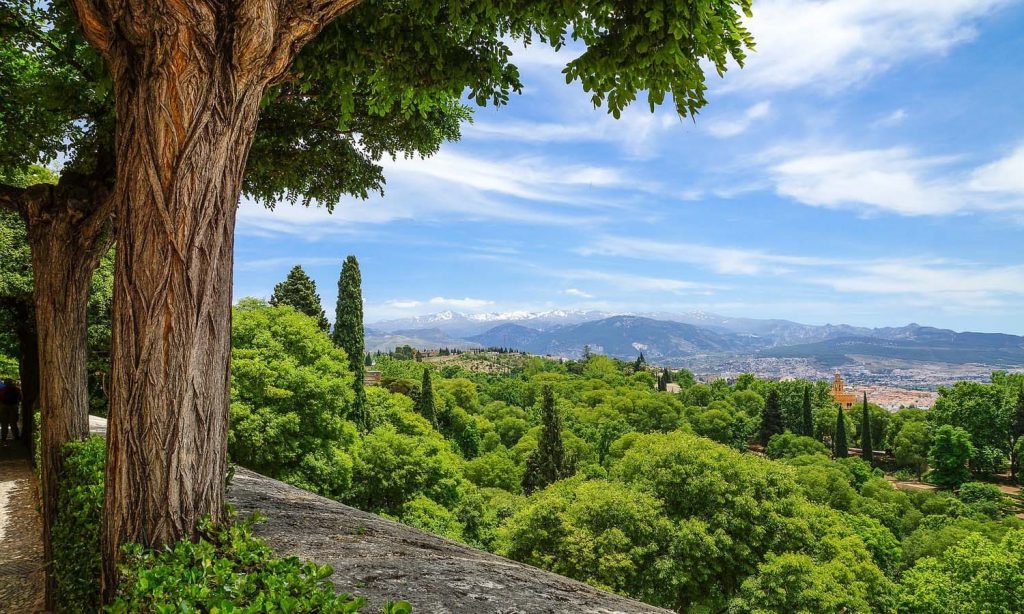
column 379, row 559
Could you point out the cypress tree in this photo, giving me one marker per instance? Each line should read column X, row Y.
column 808, row 418
column 771, row 417
column 866, row 451
column 547, row 464
column 425, row 402
column 639, row 364
column 298, row 290
column 839, row 446
column 348, row 333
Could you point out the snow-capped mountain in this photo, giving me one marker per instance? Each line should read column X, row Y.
column 465, row 325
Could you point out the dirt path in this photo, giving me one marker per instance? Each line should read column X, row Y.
column 21, row 551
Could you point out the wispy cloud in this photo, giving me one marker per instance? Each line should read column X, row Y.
column 725, row 260
column 634, row 283
column 1004, row 176
column 726, row 128
column 834, row 44
column 897, row 180
column 578, row 293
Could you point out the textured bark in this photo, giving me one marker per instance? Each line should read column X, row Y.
column 68, row 232
column 188, row 80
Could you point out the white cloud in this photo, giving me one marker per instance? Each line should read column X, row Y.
column 887, row 179
column 725, row 260
column 635, row 131
column 530, row 178
column 459, row 303
column 401, row 304
column 634, row 283
column 891, row 119
column 578, row 293
column 897, row 180
column 725, row 128
column 939, row 285
column 922, row 282
column 832, row 44
column 1005, row 175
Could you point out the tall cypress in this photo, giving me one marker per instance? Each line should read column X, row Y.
column 839, row 447
column 639, row 364
column 298, row 290
column 547, row 464
column 808, row 418
column 866, row 450
column 771, row 417
column 425, row 402
column 348, row 333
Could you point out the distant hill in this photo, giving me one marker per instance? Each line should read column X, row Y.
column 507, row 335
column 619, row 336
column 671, row 338
column 421, row 339
column 913, row 342
column 466, row 325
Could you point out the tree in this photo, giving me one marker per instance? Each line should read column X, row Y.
column 771, row 418
column 215, row 67
column 425, row 401
column 951, row 450
column 911, row 446
column 548, row 463
column 299, row 291
column 981, row 410
column 639, row 364
column 789, row 445
column 974, row 575
column 840, row 449
column 807, row 415
column 1016, row 432
column 348, row 331
column 291, row 393
column 866, row 450
column 67, row 231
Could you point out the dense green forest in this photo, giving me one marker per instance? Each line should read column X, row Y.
column 590, row 469
column 586, row 469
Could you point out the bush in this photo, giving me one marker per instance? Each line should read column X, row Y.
column 788, row 445
column 76, row 529
column 983, row 498
column 227, row 570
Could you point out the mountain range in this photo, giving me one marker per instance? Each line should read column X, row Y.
column 676, row 339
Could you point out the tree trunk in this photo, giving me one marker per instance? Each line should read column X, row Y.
column 188, row 79
column 28, row 372
column 183, row 138
column 68, row 232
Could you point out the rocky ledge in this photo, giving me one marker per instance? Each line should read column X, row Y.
column 380, row 559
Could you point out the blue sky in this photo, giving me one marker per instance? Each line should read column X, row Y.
column 866, row 167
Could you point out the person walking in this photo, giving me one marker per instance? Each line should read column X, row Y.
column 10, row 398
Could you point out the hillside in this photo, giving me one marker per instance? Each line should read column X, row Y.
column 912, row 343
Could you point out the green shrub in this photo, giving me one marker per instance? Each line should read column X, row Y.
column 789, row 445
column 76, row 529
column 228, row 570
column 983, row 498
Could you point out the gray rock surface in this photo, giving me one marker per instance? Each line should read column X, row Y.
column 379, row 559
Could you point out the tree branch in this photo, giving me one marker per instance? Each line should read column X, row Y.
column 10, row 198
column 95, row 24
column 299, row 22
